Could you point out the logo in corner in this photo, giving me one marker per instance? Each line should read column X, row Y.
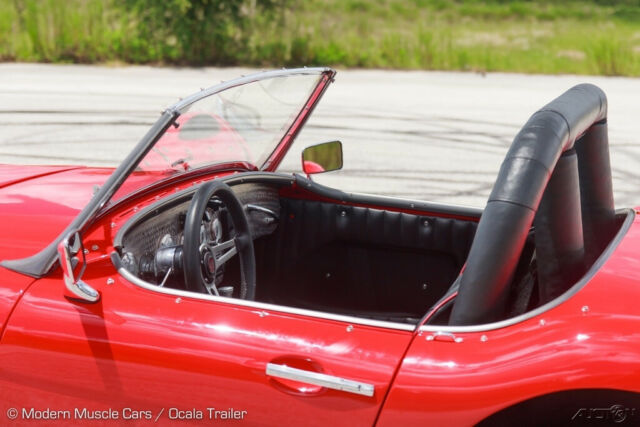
column 615, row 413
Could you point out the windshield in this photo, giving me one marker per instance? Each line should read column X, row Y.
column 253, row 119
column 242, row 124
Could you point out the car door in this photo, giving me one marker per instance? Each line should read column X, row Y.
column 142, row 354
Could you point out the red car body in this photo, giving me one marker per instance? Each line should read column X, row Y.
column 142, row 356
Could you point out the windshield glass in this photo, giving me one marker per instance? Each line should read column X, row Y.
column 243, row 123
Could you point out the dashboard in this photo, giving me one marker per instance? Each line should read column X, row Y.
column 151, row 241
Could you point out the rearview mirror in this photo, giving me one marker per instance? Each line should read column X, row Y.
column 323, row 157
column 73, row 263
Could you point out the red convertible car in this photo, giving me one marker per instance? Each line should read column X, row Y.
column 194, row 282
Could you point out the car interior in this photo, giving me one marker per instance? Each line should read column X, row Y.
column 321, row 249
column 365, row 259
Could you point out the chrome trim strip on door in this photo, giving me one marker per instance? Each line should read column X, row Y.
column 322, row 380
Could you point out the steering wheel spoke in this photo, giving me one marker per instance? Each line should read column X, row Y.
column 218, row 248
column 219, row 253
column 212, row 288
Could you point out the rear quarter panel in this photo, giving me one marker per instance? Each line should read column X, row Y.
column 592, row 340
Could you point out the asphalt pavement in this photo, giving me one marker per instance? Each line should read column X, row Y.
column 438, row 136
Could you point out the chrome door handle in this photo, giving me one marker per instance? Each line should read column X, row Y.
column 322, row 380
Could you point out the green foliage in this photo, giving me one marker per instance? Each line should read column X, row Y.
column 174, row 31
column 66, row 32
column 194, row 31
column 539, row 36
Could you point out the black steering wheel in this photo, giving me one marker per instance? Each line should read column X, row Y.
column 205, row 254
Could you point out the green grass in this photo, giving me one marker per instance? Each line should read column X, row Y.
column 537, row 36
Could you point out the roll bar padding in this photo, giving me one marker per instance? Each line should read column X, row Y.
column 515, row 198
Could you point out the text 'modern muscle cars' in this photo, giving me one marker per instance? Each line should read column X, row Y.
column 200, row 284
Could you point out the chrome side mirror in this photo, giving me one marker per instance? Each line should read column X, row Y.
column 73, row 263
column 321, row 158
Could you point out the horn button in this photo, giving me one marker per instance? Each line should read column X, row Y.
column 208, row 264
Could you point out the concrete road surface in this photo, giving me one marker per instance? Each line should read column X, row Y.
column 436, row 136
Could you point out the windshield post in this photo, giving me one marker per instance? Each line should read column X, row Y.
column 41, row 263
